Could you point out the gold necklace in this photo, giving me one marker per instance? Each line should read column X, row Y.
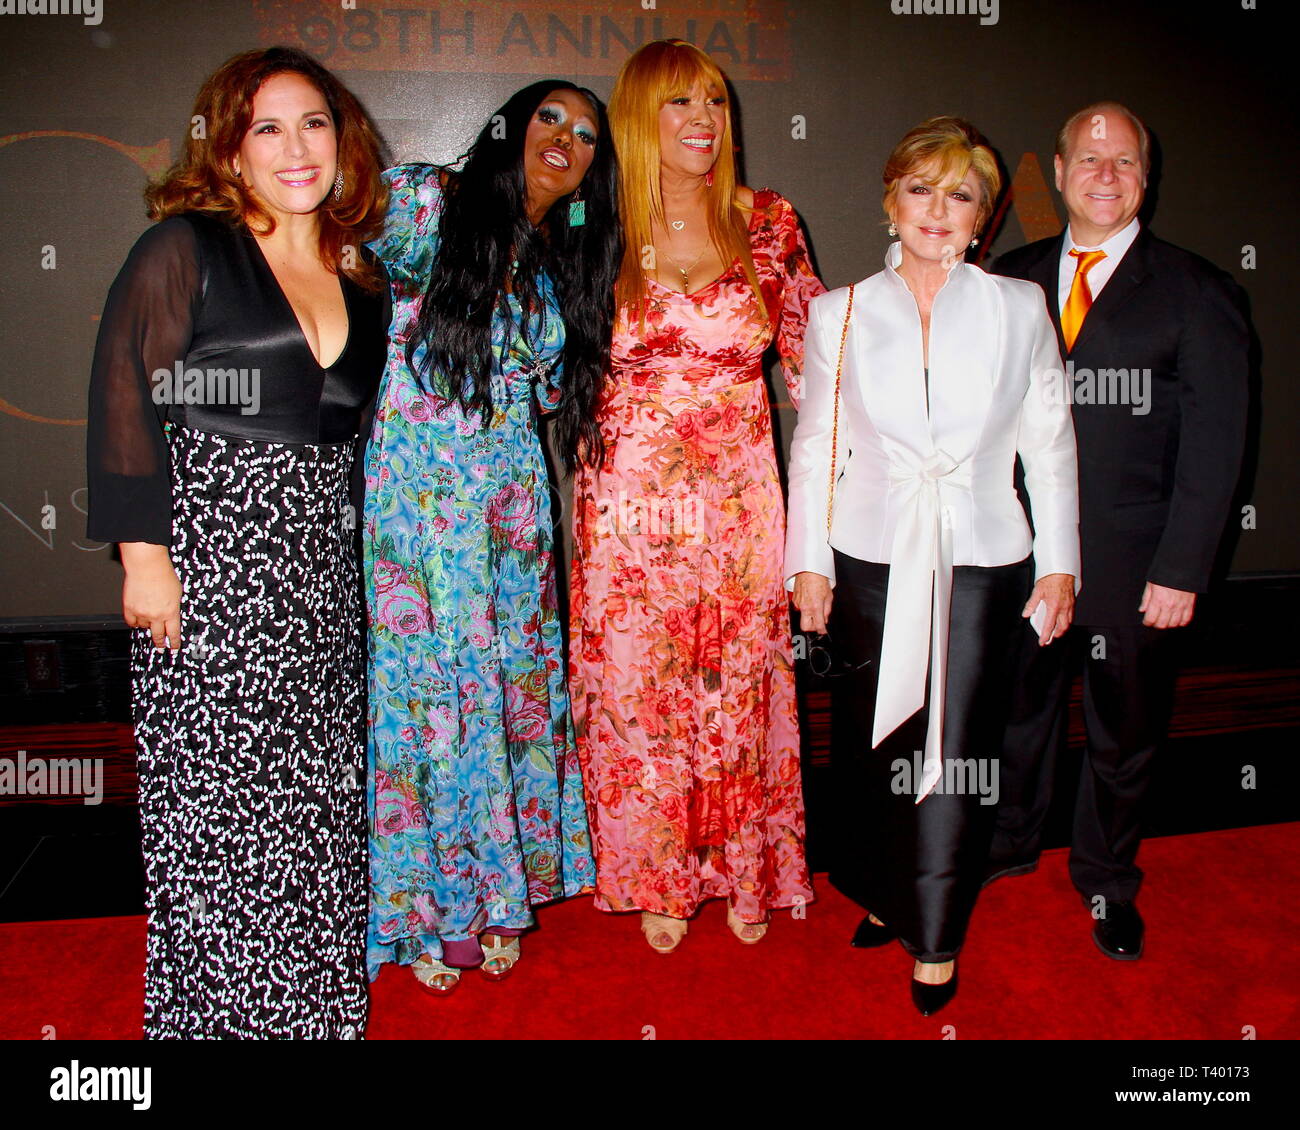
column 685, row 271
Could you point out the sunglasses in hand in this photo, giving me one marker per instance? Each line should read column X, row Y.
column 826, row 661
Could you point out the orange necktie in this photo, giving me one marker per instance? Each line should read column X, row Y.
column 1080, row 300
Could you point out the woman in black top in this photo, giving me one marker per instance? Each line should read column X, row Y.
column 239, row 349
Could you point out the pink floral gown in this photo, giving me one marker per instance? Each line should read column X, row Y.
column 681, row 671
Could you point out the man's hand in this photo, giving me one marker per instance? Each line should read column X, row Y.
column 1166, row 608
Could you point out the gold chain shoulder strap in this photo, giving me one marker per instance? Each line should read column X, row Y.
column 835, row 429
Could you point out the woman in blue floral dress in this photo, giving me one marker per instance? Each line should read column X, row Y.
column 502, row 281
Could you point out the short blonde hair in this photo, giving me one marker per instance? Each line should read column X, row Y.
column 1065, row 135
column 953, row 147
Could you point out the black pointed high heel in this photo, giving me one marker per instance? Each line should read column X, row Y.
column 929, row 999
column 871, row 934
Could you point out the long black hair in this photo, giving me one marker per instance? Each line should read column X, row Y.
column 484, row 228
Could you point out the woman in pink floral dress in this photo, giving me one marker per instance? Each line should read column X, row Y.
column 681, row 677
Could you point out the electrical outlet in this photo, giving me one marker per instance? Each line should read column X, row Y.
column 43, row 673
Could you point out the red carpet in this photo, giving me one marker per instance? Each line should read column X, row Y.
column 1222, row 912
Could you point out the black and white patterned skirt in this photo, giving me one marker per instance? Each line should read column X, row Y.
column 251, row 746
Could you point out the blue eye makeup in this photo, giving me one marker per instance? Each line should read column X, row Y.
column 553, row 115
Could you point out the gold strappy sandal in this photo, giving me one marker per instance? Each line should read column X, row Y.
column 745, row 930
column 435, row 977
column 658, row 926
column 500, row 955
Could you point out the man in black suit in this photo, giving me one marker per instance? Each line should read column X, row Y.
column 1156, row 349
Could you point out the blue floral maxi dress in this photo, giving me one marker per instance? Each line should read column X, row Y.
column 477, row 809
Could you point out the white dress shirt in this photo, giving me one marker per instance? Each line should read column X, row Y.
column 922, row 491
column 1115, row 247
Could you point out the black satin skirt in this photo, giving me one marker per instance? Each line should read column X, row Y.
column 918, row 867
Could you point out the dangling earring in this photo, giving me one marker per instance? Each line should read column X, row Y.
column 892, row 229
column 338, row 185
column 974, row 242
column 708, row 179
column 577, row 209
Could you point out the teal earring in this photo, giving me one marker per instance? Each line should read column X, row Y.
column 577, row 210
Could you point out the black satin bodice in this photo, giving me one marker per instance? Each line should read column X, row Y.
column 196, row 310
column 245, row 322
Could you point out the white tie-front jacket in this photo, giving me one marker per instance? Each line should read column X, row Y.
column 924, row 490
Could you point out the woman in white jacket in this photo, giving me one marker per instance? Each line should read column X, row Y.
column 922, row 383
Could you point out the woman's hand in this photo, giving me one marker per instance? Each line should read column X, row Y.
column 151, row 593
column 1056, row 590
column 812, row 596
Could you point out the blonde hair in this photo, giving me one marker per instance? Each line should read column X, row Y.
column 657, row 72
column 1065, row 135
column 952, row 147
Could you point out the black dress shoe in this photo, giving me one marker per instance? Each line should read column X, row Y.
column 1119, row 934
column 1006, row 869
column 870, row 934
column 930, row 998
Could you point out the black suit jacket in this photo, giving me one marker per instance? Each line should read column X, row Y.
column 1154, row 486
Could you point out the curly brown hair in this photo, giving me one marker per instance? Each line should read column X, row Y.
column 204, row 178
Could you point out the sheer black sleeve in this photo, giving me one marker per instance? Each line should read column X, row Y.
column 147, row 325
